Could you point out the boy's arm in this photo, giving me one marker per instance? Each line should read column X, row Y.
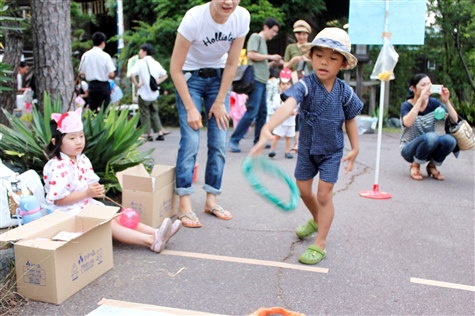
column 283, row 112
column 352, row 132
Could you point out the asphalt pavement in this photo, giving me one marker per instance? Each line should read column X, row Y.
column 379, row 251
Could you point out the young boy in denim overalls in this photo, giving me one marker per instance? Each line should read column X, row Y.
column 326, row 102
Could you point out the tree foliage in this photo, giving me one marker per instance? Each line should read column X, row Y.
column 79, row 22
column 456, row 19
column 440, row 56
column 11, row 39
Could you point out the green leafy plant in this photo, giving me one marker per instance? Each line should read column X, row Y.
column 5, row 73
column 113, row 141
column 466, row 110
column 6, row 20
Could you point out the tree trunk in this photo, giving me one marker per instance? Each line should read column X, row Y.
column 11, row 56
column 51, row 24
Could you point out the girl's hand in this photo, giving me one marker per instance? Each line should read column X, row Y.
column 445, row 95
column 265, row 136
column 350, row 157
column 95, row 190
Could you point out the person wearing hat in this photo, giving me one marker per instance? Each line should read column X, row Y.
column 287, row 128
column 325, row 103
column 294, row 57
column 298, row 61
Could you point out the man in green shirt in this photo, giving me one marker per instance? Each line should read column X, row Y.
column 257, row 105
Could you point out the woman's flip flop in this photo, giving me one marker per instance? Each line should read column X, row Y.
column 219, row 212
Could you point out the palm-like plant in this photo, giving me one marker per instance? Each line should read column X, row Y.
column 113, row 141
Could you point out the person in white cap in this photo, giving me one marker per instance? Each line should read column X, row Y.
column 326, row 102
column 287, row 128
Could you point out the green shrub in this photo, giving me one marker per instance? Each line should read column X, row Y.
column 112, row 145
column 168, row 110
column 467, row 111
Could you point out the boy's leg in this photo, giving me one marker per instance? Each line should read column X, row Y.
column 310, row 201
column 308, row 198
column 326, row 210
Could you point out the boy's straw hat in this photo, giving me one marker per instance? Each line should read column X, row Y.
column 302, row 26
column 336, row 39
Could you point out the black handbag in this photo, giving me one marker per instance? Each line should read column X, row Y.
column 243, row 81
column 153, row 82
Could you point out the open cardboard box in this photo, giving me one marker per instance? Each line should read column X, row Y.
column 51, row 271
column 152, row 195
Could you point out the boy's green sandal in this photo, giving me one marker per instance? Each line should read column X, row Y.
column 306, row 229
column 313, row 255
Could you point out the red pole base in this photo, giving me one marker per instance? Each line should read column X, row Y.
column 375, row 194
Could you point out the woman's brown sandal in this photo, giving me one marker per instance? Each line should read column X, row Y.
column 433, row 172
column 415, row 175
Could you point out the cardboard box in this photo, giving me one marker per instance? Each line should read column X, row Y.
column 52, row 271
column 152, row 195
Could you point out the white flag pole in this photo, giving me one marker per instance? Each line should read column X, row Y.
column 375, row 193
column 380, row 131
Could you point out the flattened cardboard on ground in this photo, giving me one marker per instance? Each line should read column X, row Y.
column 152, row 195
column 52, row 271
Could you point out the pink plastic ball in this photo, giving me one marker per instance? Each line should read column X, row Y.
column 129, row 218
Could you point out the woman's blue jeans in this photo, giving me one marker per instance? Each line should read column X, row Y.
column 203, row 91
column 256, row 110
column 429, row 147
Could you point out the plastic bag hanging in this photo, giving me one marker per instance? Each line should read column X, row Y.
column 386, row 62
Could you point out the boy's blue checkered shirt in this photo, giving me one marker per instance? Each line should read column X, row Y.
column 323, row 113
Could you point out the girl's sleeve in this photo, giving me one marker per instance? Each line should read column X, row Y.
column 57, row 180
column 91, row 176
